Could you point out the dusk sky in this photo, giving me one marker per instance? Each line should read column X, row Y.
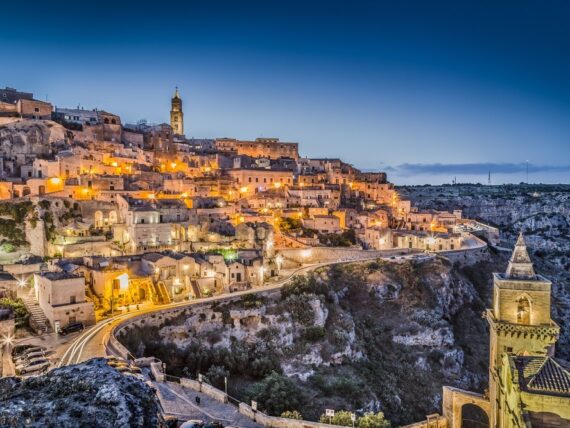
column 426, row 90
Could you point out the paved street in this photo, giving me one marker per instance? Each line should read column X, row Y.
column 179, row 401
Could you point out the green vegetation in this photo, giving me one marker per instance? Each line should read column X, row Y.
column 21, row 314
column 368, row 420
column 49, row 226
column 252, row 361
column 431, row 296
column 344, row 239
column 289, row 224
column 314, row 333
column 304, row 285
column 18, row 211
column 12, row 218
column 276, row 394
column 229, row 254
column 292, row 414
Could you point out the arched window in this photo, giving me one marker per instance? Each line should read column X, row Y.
column 473, row 416
column 523, row 311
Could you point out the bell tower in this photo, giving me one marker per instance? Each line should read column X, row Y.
column 519, row 321
column 176, row 114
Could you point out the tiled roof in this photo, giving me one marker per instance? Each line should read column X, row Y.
column 543, row 374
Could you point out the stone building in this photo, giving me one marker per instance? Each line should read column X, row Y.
column 527, row 386
column 61, row 296
column 270, row 148
column 176, row 114
column 253, row 180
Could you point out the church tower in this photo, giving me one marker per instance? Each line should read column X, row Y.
column 519, row 321
column 176, row 114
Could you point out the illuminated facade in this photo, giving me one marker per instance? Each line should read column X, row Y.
column 176, row 114
column 527, row 386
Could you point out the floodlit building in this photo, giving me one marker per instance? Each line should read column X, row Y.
column 528, row 387
column 61, row 297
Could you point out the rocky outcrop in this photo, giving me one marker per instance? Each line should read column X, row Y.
column 27, row 137
column 542, row 212
column 87, row 394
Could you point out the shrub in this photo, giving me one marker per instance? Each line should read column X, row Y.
column 21, row 314
column 276, row 394
column 373, row 420
column 292, row 414
column 314, row 333
column 341, row 417
column 304, row 285
column 300, row 309
column 216, row 375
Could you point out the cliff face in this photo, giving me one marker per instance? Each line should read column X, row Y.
column 27, row 137
column 88, row 394
column 369, row 336
column 542, row 212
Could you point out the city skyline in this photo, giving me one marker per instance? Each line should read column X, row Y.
column 409, row 90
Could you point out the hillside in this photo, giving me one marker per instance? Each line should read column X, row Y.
column 541, row 212
column 374, row 336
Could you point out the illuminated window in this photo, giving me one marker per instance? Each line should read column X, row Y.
column 523, row 311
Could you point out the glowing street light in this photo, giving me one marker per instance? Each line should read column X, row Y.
column 7, row 340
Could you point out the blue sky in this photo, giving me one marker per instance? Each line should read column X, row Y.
column 425, row 89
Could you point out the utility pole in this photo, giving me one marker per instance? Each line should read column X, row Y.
column 527, row 171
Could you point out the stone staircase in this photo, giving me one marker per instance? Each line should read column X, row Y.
column 38, row 320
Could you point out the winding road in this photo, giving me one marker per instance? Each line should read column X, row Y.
column 93, row 342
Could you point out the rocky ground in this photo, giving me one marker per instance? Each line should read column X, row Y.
column 366, row 336
column 87, row 394
column 541, row 212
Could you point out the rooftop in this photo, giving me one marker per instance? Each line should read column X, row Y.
column 542, row 375
column 57, row 276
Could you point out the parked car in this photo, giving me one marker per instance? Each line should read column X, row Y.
column 71, row 328
column 193, row 423
column 29, row 356
column 22, row 349
column 37, row 365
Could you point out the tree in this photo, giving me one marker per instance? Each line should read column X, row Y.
column 276, row 394
column 292, row 414
column 342, row 417
column 216, row 375
column 373, row 420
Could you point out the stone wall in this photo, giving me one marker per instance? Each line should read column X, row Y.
column 330, row 254
column 453, row 401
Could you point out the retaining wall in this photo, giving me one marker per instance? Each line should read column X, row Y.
column 325, row 254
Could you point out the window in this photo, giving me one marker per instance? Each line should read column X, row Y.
column 523, row 311
column 72, row 300
column 37, row 110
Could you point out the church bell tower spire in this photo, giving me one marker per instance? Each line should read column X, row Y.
column 176, row 114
